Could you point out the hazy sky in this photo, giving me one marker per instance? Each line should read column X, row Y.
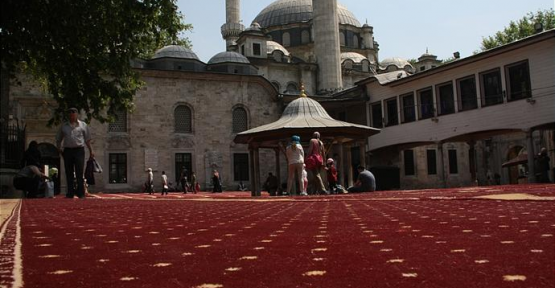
column 402, row 28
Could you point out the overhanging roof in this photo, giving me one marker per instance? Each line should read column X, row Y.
column 303, row 117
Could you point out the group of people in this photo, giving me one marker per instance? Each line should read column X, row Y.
column 305, row 171
column 186, row 186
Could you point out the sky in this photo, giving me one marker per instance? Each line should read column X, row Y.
column 402, row 28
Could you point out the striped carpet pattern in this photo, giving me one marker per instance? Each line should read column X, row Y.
column 496, row 236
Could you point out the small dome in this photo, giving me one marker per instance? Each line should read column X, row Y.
column 228, row 57
column 283, row 12
column 272, row 46
column 400, row 63
column 356, row 57
column 254, row 26
column 175, row 51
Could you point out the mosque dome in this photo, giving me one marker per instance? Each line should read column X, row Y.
column 228, row 57
column 175, row 51
column 355, row 57
column 284, row 12
column 272, row 46
column 396, row 62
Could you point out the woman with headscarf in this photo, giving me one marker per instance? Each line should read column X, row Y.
column 314, row 162
column 32, row 155
column 295, row 161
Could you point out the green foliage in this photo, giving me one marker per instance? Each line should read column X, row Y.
column 520, row 29
column 81, row 50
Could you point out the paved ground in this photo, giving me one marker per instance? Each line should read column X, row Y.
column 498, row 236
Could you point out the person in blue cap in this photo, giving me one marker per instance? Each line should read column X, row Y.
column 295, row 160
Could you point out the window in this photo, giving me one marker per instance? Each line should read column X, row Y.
column 446, row 102
column 120, row 123
column 453, row 165
column 182, row 160
column 467, row 93
column 432, row 162
column 355, row 41
column 292, row 88
column 341, row 39
column 426, row 102
column 276, row 85
column 305, row 37
column 409, row 162
column 241, row 167
column 286, row 39
column 118, row 168
column 377, row 118
column 243, row 50
column 490, row 84
column 518, row 81
column 391, row 112
column 182, row 116
column 240, row 122
column 408, row 108
column 256, row 49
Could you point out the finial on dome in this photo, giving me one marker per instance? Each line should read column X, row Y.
column 303, row 94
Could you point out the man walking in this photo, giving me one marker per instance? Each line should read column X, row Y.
column 71, row 140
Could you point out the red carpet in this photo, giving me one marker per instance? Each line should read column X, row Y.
column 421, row 238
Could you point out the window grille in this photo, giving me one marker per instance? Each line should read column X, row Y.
column 239, row 120
column 183, row 119
column 120, row 122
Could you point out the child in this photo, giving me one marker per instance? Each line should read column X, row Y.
column 305, row 181
column 332, row 176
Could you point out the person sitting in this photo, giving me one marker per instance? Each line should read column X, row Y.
column 271, row 184
column 28, row 179
column 365, row 181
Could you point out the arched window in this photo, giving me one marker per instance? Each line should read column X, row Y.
column 355, row 41
column 341, row 38
column 286, row 39
column 276, row 84
column 305, row 37
column 182, row 116
column 240, row 121
column 291, row 88
column 120, row 123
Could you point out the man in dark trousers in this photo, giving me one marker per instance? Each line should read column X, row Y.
column 71, row 140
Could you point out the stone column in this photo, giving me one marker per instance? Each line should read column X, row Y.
column 441, row 172
column 362, row 152
column 326, row 44
column 531, row 153
column 341, row 166
column 278, row 169
column 252, row 173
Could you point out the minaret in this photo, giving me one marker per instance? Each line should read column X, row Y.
column 232, row 27
column 326, row 44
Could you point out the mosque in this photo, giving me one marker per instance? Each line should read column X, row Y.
column 189, row 112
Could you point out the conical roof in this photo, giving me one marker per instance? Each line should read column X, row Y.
column 303, row 117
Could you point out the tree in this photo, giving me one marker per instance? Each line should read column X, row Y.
column 520, row 29
column 81, row 51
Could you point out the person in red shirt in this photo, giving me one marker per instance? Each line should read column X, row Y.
column 332, row 176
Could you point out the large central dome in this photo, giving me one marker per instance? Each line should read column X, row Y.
column 284, row 12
